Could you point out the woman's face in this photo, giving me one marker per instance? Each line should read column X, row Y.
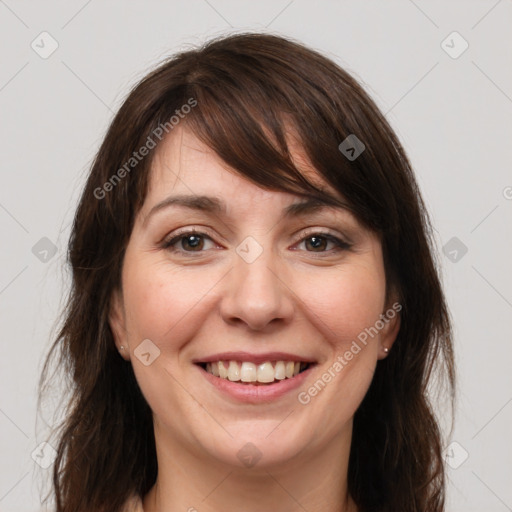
column 258, row 283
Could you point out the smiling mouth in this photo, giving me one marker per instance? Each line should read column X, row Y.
column 264, row 374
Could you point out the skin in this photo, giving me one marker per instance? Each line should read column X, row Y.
column 294, row 298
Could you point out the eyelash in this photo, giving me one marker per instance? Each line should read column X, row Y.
column 340, row 244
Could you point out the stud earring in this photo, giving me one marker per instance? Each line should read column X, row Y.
column 122, row 347
column 386, row 349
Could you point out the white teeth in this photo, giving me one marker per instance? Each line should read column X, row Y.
column 265, row 372
column 223, row 371
column 280, row 370
column 233, row 371
column 249, row 372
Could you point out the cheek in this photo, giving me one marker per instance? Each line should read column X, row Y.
column 162, row 302
column 165, row 305
column 342, row 308
column 343, row 303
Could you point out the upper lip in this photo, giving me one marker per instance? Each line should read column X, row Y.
column 253, row 358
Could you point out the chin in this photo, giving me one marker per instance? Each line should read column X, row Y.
column 259, row 446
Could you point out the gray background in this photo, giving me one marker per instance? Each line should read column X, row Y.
column 452, row 114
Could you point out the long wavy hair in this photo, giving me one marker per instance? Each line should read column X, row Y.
column 248, row 91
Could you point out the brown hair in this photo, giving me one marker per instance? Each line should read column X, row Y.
column 249, row 89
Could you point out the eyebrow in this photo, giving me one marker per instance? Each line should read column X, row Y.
column 215, row 205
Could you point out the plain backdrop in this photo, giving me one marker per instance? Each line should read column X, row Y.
column 448, row 95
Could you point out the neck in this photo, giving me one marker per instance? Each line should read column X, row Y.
column 315, row 480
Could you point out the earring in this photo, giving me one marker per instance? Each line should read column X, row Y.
column 386, row 349
column 122, row 347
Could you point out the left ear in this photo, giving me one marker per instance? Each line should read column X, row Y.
column 117, row 322
column 388, row 334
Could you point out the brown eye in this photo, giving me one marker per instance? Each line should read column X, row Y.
column 187, row 242
column 195, row 242
column 318, row 243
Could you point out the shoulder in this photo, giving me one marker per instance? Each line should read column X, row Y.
column 133, row 504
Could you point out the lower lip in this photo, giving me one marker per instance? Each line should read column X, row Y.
column 250, row 393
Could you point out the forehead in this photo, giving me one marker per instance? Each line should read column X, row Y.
column 184, row 164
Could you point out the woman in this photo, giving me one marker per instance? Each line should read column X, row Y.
column 255, row 313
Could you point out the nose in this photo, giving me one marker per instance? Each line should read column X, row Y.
column 256, row 294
